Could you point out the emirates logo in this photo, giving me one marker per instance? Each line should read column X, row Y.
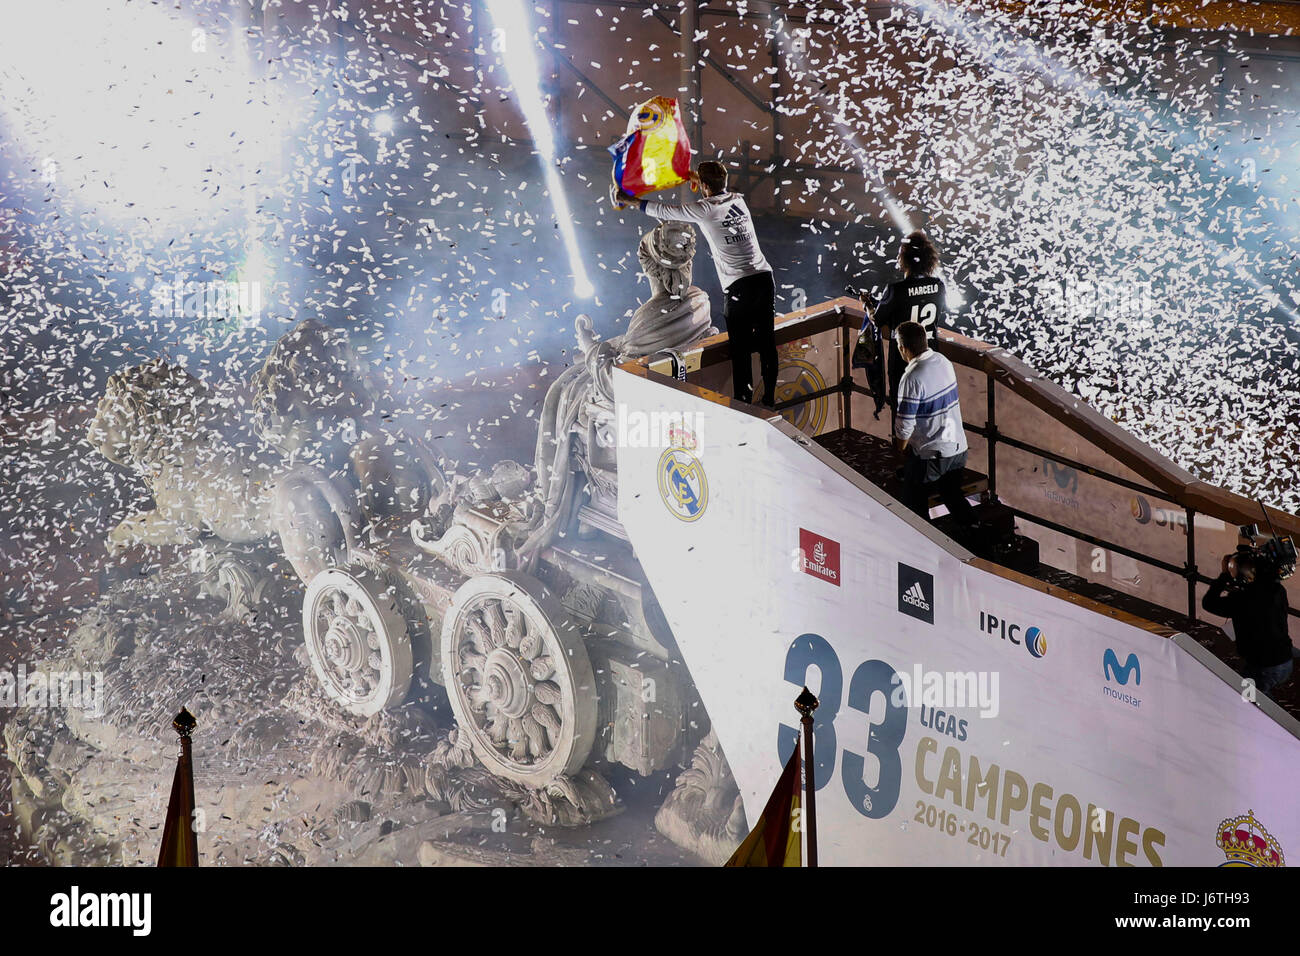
column 819, row 556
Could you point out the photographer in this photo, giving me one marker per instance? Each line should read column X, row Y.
column 1249, row 592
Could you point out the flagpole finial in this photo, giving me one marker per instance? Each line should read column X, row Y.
column 184, row 723
column 806, row 703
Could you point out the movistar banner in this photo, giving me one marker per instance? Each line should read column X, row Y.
column 966, row 717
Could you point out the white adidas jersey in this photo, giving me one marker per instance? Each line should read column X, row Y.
column 729, row 229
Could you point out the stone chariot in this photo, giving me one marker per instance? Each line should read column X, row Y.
column 517, row 589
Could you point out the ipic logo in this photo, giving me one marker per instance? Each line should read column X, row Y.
column 1117, row 673
column 1143, row 513
column 1033, row 638
column 820, row 556
column 916, row 593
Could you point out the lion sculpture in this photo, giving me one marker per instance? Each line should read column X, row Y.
column 314, row 397
column 164, row 424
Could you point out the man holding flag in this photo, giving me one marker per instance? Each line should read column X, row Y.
column 749, row 291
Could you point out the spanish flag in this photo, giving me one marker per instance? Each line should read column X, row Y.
column 775, row 841
column 654, row 154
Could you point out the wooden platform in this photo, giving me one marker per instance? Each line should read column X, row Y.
column 876, row 460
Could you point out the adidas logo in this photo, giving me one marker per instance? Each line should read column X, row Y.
column 916, row 593
column 916, row 597
column 734, row 217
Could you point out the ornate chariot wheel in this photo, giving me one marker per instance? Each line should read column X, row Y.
column 357, row 639
column 519, row 679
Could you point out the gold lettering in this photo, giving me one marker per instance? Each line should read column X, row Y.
column 975, row 784
column 1125, row 844
column 1015, row 795
column 1152, row 838
column 1098, row 832
column 1068, row 839
column 927, row 745
column 1039, row 811
column 950, row 776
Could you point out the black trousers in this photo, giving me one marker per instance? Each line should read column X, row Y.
column 923, row 476
column 749, row 310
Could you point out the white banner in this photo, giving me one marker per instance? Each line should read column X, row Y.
column 965, row 718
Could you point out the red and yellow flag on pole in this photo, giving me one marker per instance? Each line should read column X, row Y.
column 654, row 153
column 180, row 845
column 775, row 839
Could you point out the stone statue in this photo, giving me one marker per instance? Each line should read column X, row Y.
column 580, row 404
column 704, row 812
column 316, row 401
column 314, row 396
column 677, row 312
column 166, row 425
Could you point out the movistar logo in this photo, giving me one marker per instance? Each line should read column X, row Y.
column 1113, row 671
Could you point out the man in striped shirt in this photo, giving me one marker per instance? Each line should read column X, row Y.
column 928, row 427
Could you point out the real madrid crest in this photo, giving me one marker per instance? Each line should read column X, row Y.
column 650, row 117
column 683, row 485
column 1245, row 842
column 798, row 377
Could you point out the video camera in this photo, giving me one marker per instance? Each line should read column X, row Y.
column 1273, row 556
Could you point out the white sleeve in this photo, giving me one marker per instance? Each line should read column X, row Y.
column 905, row 412
column 698, row 211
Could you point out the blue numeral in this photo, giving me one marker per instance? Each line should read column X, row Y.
column 883, row 742
column 812, row 650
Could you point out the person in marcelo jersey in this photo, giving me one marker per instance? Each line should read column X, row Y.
column 748, row 289
column 919, row 297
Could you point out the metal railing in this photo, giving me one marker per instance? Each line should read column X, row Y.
column 845, row 316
